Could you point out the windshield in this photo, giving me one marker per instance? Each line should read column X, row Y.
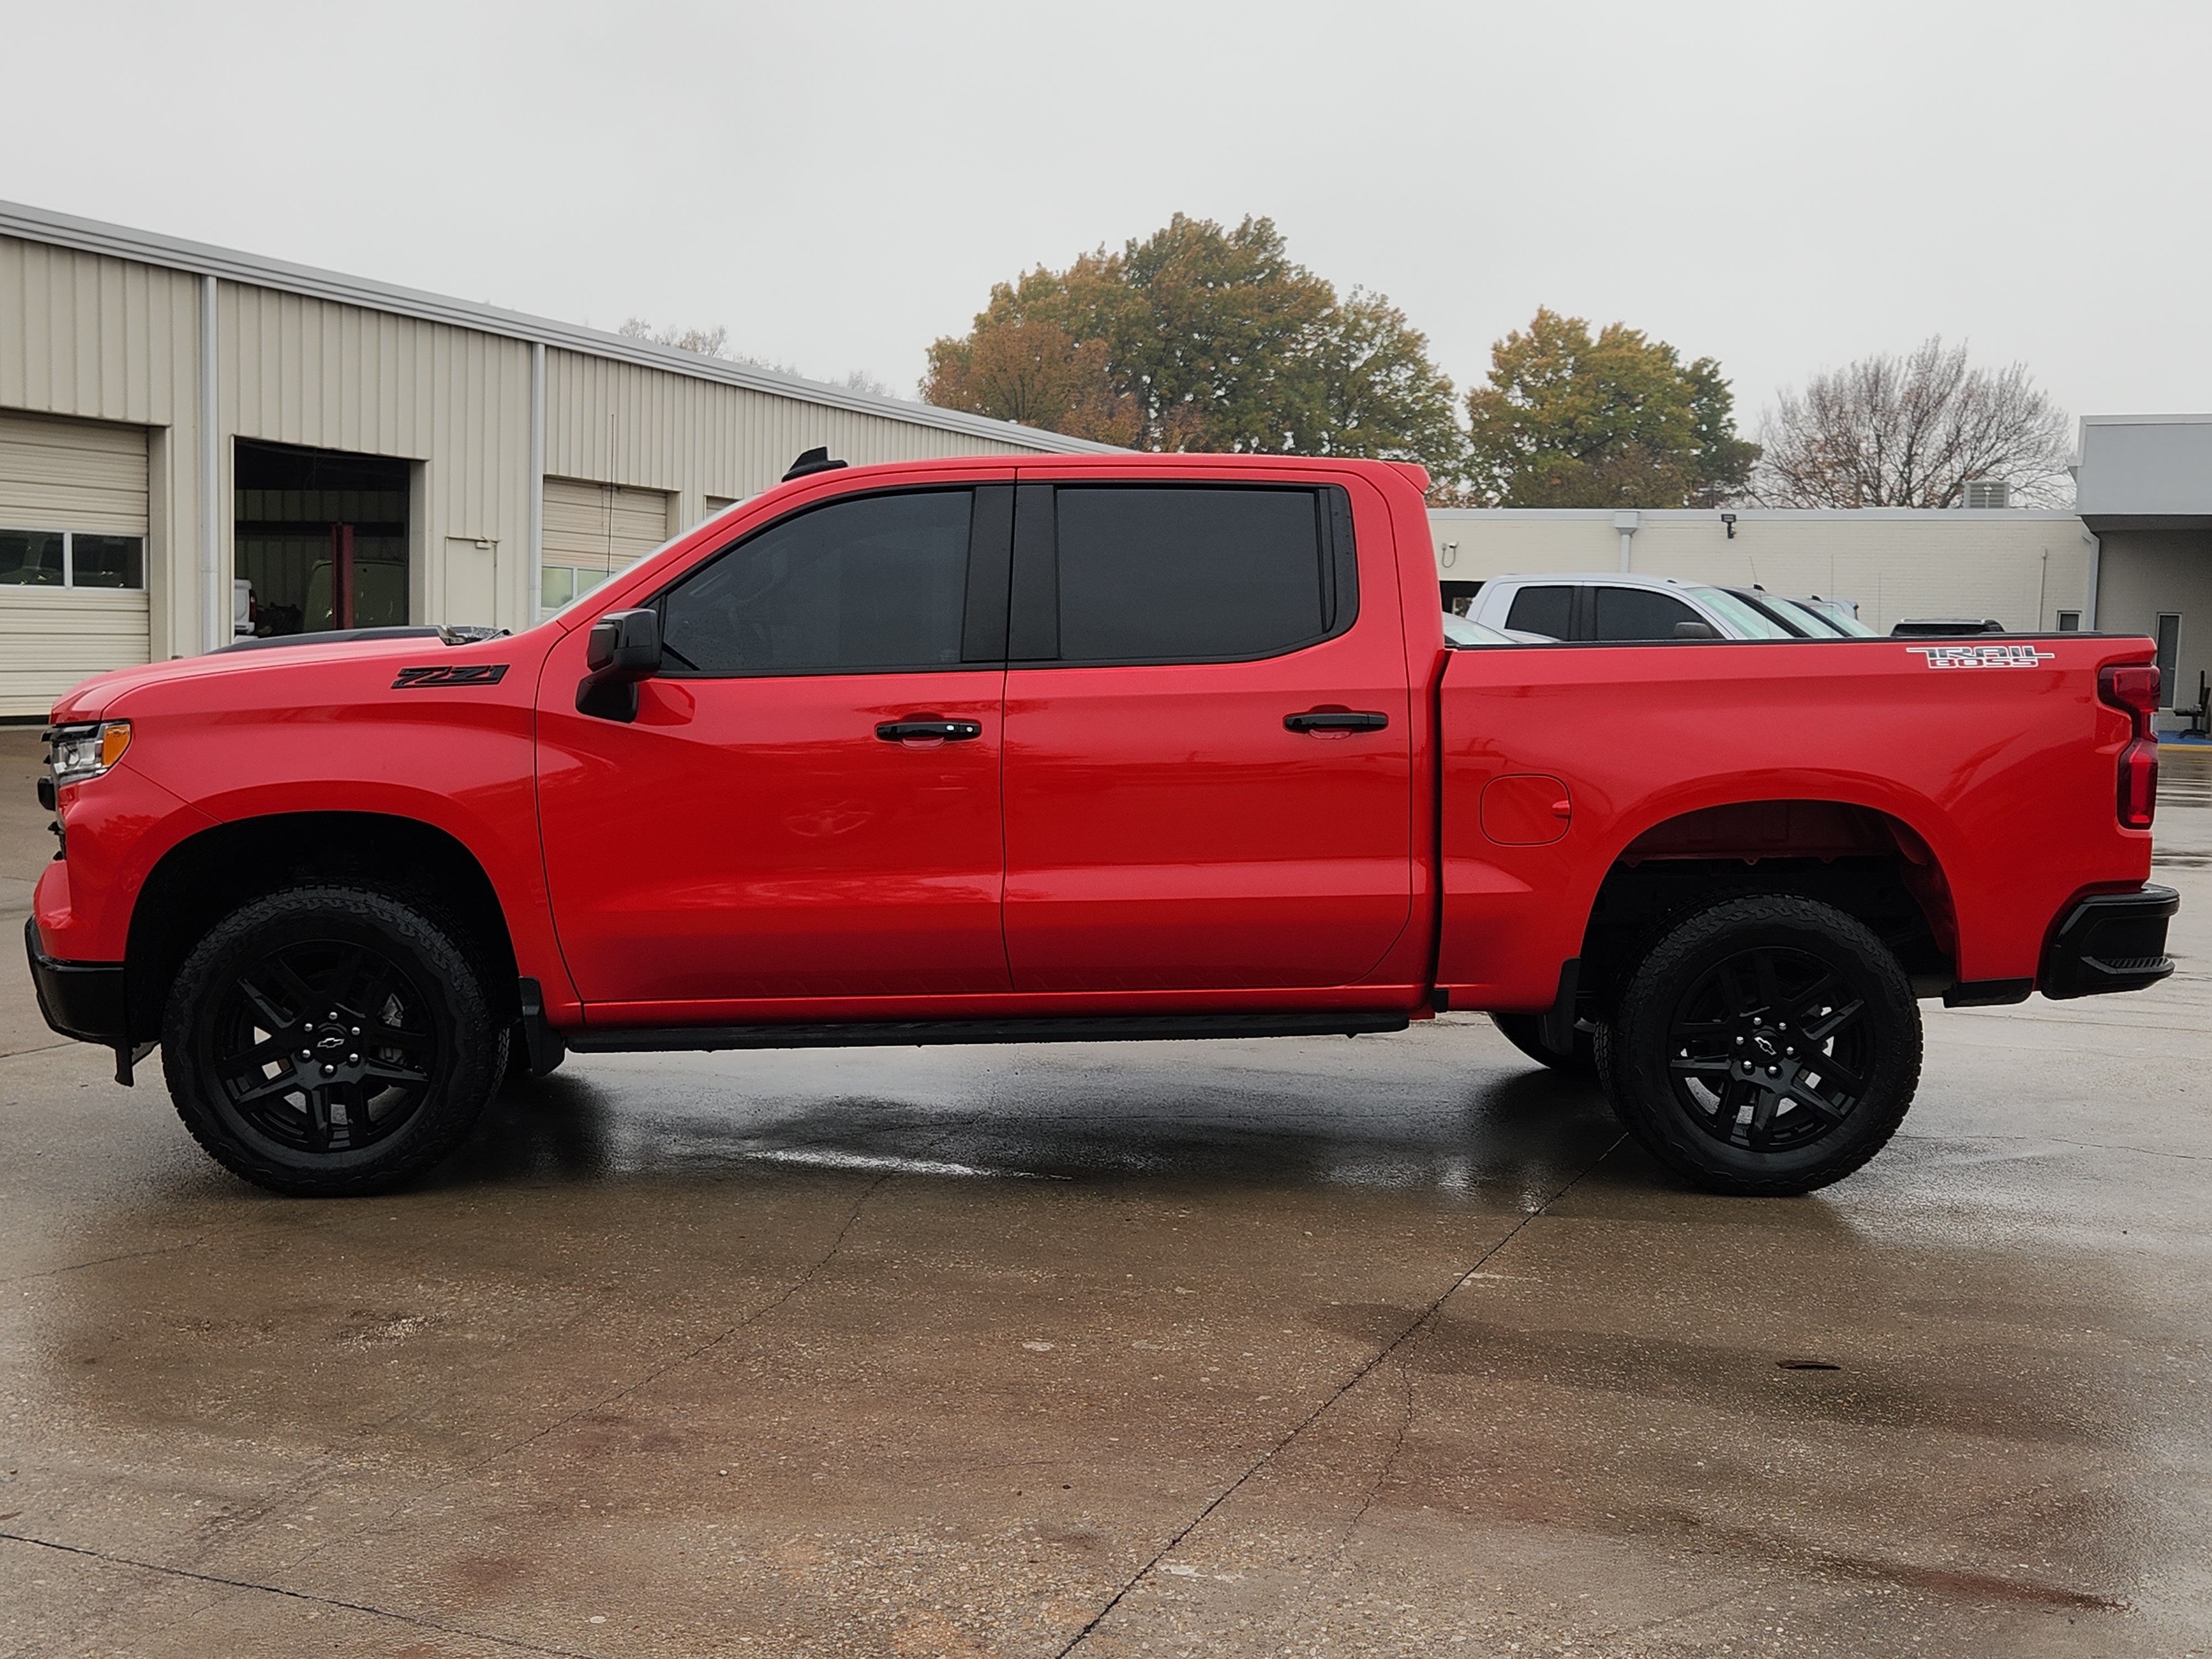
column 1838, row 618
column 1821, row 627
column 1748, row 622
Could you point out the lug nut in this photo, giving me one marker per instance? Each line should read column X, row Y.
column 330, row 1070
column 356, row 1030
column 1774, row 1070
column 1739, row 1043
column 307, row 1053
column 353, row 1060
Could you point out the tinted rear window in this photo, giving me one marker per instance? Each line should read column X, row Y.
column 1637, row 613
column 1189, row 575
column 1543, row 611
column 876, row 583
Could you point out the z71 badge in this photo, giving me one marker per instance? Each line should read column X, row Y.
column 1982, row 656
column 470, row 673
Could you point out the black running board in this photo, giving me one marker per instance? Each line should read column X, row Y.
column 914, row 1033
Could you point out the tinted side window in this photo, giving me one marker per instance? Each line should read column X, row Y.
column 1544, row 610
column 876, row 583
column 1192, row 574
column 1637, row 613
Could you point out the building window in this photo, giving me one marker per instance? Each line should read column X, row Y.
column 66, row 558
column 2070, row 621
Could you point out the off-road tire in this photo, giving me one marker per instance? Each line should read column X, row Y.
column 1719, row 990
column 416, row 1042
column 1526, row 1033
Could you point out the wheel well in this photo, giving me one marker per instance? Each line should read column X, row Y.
column 200, row 881
column 1865, row 863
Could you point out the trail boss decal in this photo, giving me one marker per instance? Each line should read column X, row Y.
column 1982, row 656
column 471, row 673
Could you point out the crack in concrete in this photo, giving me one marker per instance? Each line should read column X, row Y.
column 1389, row 1460
column 101, row 1261
column 792, row 1289
column 110, row 1558
column 799, row 1283
column 2060, row 1141
column 1360, row 1374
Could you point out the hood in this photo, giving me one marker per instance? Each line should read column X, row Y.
column 104, row 694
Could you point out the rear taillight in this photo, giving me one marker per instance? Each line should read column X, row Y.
column 2133, row 690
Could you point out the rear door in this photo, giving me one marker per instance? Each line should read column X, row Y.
column 807, row 804
column 1208, row 742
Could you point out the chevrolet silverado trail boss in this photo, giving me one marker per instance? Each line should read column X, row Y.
column 1042, row 750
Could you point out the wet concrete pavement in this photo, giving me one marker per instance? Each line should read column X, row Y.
column 1385, row 1345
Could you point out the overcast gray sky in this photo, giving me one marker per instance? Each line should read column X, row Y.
column 1782, row 186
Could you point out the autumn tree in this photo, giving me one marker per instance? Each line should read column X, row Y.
column 1912, row 431
column 1202, row 338
column 1617, row 420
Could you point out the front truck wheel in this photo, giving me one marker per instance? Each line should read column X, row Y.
column 1766, row 1046
column 330, row 1040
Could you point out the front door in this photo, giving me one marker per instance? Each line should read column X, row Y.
column 1208, row 751
column 807, row 806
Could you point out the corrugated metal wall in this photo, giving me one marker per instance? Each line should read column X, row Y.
column 296, row 370
column 2021, row 567
column 108, row 339
column 113, row 338
column 625, row 424
column 80, row 478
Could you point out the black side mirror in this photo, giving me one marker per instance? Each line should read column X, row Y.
column 1696, row 630
column 623, row 649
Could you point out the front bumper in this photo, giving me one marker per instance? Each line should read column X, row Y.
column 80, row 999
column 2110, row 942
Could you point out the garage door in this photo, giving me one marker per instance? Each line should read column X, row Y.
column 72, row 556
column 593, row 530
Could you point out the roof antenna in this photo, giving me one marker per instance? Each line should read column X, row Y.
column 813, row 460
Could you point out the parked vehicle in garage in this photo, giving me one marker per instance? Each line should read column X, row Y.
column 1120, row 746
column 1619, row 609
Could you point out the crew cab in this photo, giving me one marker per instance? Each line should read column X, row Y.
column 1111, row 747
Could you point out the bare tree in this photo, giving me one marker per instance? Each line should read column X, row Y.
column 1912, row 431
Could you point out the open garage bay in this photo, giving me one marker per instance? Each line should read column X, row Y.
column 1376, row 1346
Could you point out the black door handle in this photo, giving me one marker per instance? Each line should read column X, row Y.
column 1335, row 719
column 950, row 730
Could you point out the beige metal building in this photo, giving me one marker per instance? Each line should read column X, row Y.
column 176, row 419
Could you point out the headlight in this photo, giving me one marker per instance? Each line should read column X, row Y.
column 79, row 752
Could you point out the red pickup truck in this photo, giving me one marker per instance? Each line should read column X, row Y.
column 1006, row 750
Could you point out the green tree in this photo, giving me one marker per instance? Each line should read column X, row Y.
column 1203, row 339
column 1568, row 420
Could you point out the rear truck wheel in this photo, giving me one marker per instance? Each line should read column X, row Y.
column 1767, row 1046
column 1526, row 1033
column 328, row 1041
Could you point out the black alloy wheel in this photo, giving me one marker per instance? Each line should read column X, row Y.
column 1768, row 1045
column 324, row 1046
column 328, row 1040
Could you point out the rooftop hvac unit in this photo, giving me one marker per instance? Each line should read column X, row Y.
column 1988, row 492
